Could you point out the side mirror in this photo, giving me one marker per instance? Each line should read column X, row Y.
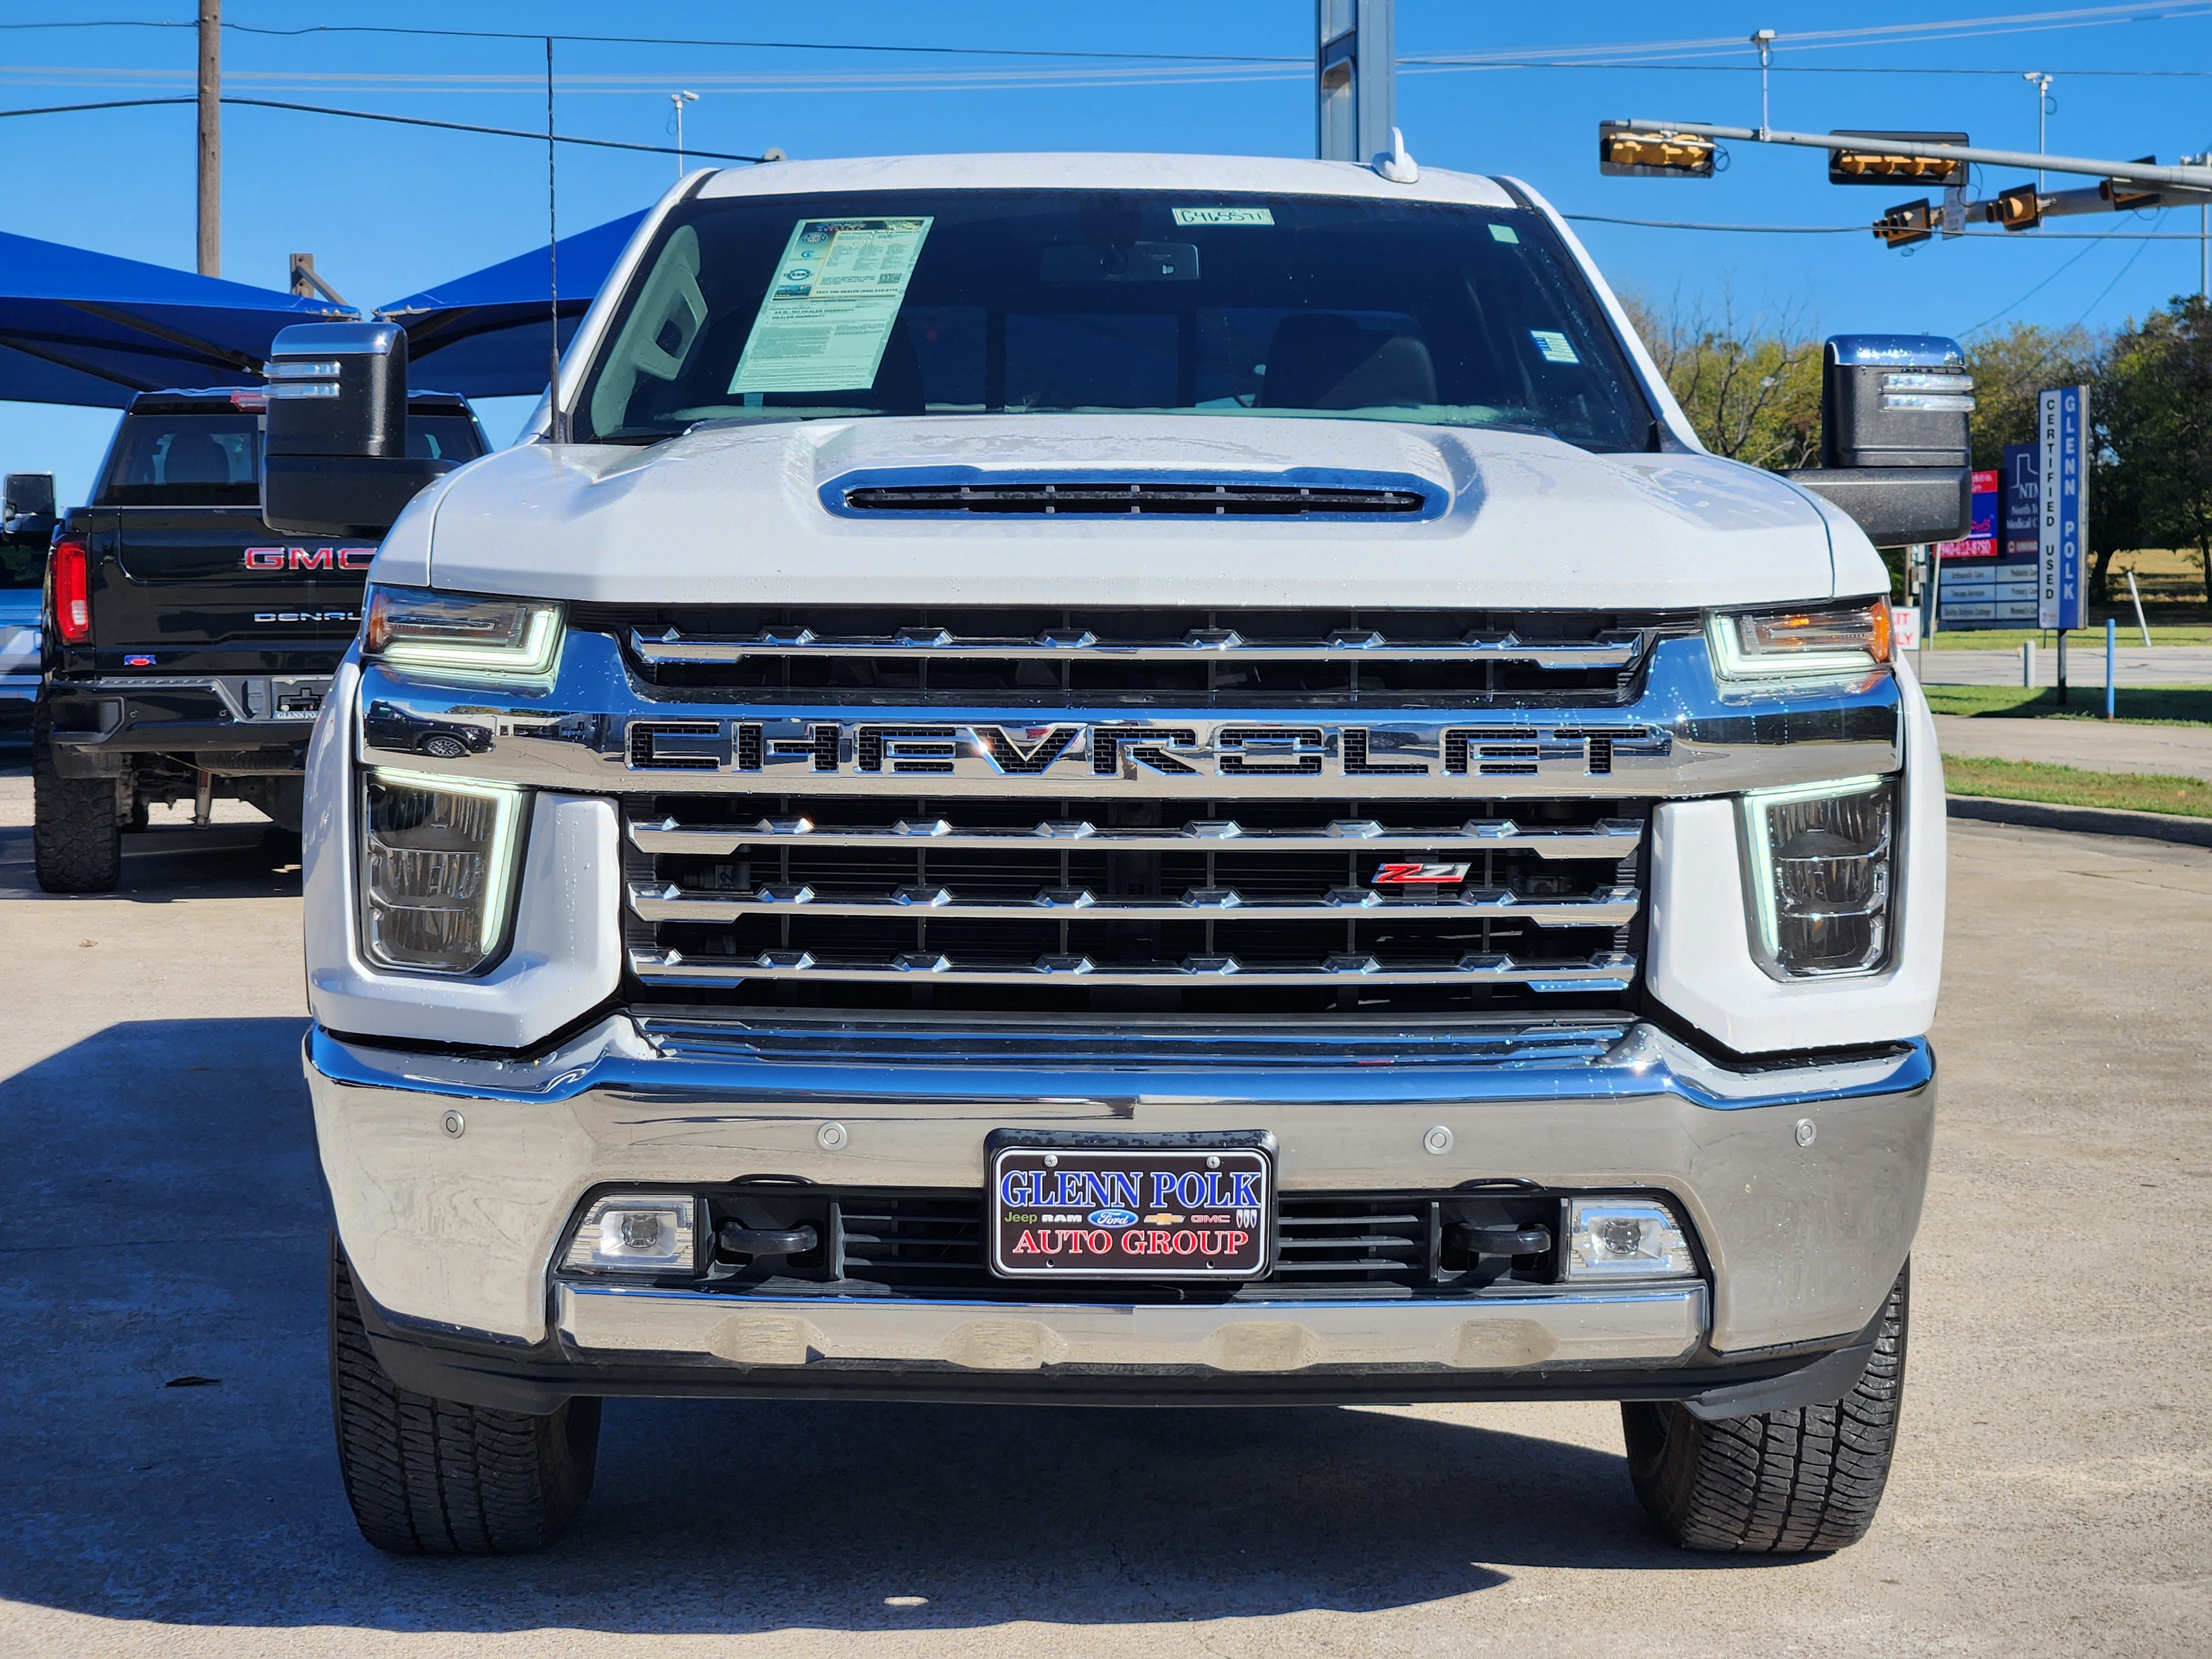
column 334, row 461
column 1894, row 450
column 29, row 495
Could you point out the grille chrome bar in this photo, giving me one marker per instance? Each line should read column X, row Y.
column 1618, row 649
column 1607, row 838
column 1611, row 970
column 1609, row 906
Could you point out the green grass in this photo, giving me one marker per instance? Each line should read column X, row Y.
column 2067, row 786
column 2159, row 705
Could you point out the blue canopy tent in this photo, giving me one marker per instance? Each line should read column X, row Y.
column 488, row 334
column 80, row 327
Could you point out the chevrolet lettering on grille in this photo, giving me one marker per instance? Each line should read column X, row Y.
column 1057, row 757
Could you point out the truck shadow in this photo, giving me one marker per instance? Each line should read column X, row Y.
column 170, row 1452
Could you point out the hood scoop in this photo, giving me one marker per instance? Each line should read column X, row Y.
column 929, row 493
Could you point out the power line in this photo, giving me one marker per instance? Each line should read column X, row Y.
column 397, row 120
column 1998, row 316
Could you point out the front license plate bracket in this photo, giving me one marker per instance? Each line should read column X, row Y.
column 1182, row 1207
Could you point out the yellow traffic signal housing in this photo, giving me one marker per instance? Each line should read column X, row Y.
column 2020, row 207
column 1868, row 163
column 2124, row 193
column 1907, row 223
column 1625, row 151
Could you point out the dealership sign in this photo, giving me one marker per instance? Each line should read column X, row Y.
column 2063, row 512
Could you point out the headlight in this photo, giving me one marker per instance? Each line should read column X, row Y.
column 1827, row 643
column 437, row 870
column 458, row 632
column 1817, row 873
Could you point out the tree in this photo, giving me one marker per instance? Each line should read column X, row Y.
column 2162, row 435
column 2009, row 369
column 1753, row 394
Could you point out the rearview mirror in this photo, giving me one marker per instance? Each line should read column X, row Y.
column 334, row 459
column 1894, row 449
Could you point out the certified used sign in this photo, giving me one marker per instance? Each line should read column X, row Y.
column 1131, row 1211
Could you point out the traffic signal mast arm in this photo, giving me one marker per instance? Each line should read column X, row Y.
column 2195, row 180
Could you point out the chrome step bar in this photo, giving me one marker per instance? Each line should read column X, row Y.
column 1608, row 907
column 1618, row 648
column 1605, row 971
column 1607, row 838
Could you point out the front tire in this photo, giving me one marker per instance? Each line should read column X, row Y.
column 436, row 1477
column 76, row 834
column 1784, row 1482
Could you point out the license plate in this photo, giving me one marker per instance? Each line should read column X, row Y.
column 1134, row 1209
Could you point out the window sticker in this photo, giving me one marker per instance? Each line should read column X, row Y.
column 829, row 307
column 1503, row 234
column 1224, row 216
column 1554, row 346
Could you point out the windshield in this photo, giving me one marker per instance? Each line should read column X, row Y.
column 966, row 302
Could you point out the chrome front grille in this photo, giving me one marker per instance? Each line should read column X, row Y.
column 1163, row 656
column 980, row 903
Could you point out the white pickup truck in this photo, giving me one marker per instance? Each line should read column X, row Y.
column 1146, row 780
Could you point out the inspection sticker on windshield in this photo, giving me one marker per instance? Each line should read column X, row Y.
column 831, row 305
column 1554, row 345
column 1224, row 216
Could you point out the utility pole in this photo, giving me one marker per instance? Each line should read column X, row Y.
column 1356, row 78
column 211, row 147
column 2041, row 83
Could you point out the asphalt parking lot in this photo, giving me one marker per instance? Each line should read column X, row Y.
column 2052, row 1494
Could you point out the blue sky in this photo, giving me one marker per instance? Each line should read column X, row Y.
column 388, row 210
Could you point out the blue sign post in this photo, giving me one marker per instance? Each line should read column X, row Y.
column 2062, row 514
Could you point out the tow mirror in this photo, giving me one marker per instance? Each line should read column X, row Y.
column 28, row 495
column 334, row 459
column 1894, row 450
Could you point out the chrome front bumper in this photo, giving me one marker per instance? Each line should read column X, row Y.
column 452, row 1181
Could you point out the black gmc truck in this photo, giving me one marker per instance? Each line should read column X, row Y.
column 187, row 647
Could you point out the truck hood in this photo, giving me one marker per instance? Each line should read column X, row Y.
column 740, row 515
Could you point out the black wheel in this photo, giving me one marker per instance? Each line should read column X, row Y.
column 435, row 1477
column 1784, row 1482
column 76, row 829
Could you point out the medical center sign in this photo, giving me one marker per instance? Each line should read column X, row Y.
column 2062, row 518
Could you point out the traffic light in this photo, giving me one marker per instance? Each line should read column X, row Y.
column 2124, row 194
column 1626, row 151
column 2020, row 207
column 1871, row 164
column 1907, row 223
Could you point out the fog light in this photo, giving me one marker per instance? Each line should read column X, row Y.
column 1619, row 1238
column 635, row 1232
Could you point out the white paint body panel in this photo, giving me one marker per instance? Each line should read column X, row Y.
column 1700, row 960
column 732, row 516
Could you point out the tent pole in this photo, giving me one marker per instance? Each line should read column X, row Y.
column 210, row 147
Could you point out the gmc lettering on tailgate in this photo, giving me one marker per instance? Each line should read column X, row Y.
column 272, row 559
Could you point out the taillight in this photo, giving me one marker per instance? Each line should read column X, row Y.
column 73, row 592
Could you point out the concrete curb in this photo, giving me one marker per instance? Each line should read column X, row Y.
column 2084, row 820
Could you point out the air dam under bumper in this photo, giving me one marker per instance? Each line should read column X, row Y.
column 453, row 1236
